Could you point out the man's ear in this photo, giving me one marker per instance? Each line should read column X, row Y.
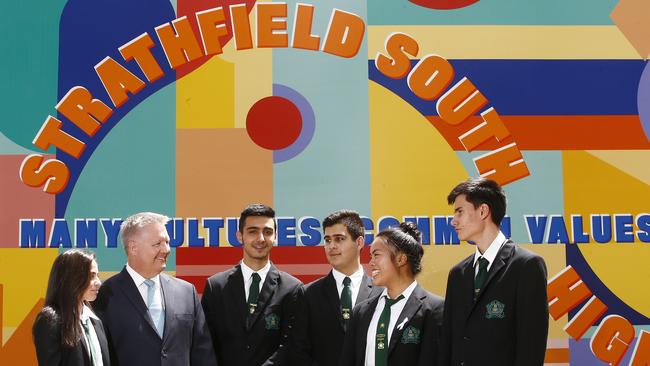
column 361, row 241
column 239, row 237
column 484, row 211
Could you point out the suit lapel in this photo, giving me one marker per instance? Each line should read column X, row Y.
column 413, row 304
column 365, row 289
column 499, row 262
column 367, row 311
column 331, row 293
column 168, row 299
column 266, row 293
column 86, row 350
column 234, row 291
column 127, row 286
column 101, row 337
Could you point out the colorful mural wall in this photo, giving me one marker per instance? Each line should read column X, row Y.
column 195, row 109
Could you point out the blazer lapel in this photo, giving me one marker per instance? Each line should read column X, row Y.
column 86, row 350
column 127, row 286
column 365, row 289
column 367, row 311
column 413, row 304
column 168, row 298
column 101, row 337
column 499, row 262
column 235, row 291
column 331, row 293
column 267, row 291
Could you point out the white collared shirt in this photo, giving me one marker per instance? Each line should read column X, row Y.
column 143, row 288
column 248, row 279
column 86, row 314
column 395, row 312
column 355, row 283
column 491, row 252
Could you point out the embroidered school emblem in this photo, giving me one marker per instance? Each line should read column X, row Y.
column 411, row 335
column 272, row 321
column 495, row 310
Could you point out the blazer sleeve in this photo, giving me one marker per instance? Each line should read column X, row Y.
column 532, row 314
column 444, row 342
column 430, row 346
column 301, row 348
column 47, row 341
column 202, row 350
column 290, row 306
column 209, row 312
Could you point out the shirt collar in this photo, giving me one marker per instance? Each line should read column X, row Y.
column 138, row 279
column 86, row 313
column 356, row 277
column 492, row 251
column 248, row 272
column 406, row 293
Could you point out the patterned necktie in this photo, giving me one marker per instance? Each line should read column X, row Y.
column 346, row 302
column 254, row 292
column 481, row 276
column 155, row 307
column 89, row 340
column 381, row 338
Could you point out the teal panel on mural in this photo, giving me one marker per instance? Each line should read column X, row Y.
column 8, row 147
column 495, row 12
column 333, row 171
column 29, row 65
column 132, row 170
column 540, row 193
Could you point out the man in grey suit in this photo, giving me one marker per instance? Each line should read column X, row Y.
column 152, row 318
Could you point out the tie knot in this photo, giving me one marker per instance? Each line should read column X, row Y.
column 483, row 263
column 149, row 283
column 391, row 302
column 256, row 277
column 347, row 281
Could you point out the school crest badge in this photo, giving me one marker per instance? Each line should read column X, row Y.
column 495, row 310
column 411, row 335
column 272, row 321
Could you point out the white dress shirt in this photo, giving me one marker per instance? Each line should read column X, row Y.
column 248, row 276
column 143, row 288
column 395, row 312
column 86, row 314
column 355, row 283
column 491, row 252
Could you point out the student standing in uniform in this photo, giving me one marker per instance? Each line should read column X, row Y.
column 402, row 325
column 496, row 309
column 66, row 331
column 250, row 308
column 327, row 307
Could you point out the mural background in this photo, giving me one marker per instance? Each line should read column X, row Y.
column 570, row 80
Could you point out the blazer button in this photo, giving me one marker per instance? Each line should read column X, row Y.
column 248, row 346
column 462, row 363
column 466, row 338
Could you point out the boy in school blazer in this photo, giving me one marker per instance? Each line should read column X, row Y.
column 496, row 309
column 327, row 307
column 250, row 308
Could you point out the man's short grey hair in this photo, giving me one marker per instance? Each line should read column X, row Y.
column 136, row 222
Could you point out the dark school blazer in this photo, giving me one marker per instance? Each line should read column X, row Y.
column 318, row 332
column 412, row 343
column 508, row 323
column 50, row 351
column 242, row 339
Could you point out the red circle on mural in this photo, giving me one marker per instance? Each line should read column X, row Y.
column 273, row 123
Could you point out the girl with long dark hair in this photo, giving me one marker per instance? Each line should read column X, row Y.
column 66, row 332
